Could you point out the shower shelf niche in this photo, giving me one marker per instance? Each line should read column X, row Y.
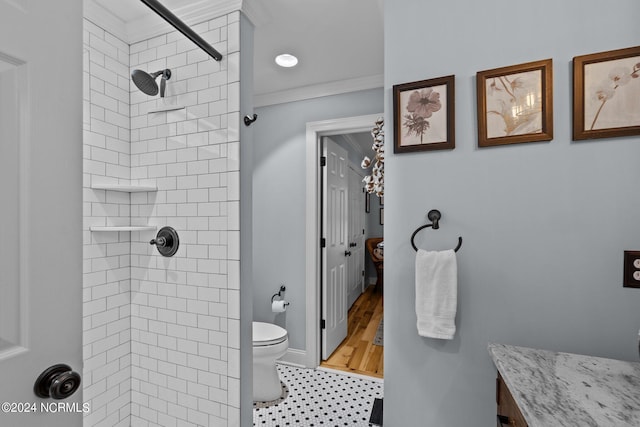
column 165, row 108
column 123, row 228
column 125, row 188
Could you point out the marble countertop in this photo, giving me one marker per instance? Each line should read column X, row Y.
column 563, row 389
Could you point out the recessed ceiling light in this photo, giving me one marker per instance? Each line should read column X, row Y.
column 286, row 60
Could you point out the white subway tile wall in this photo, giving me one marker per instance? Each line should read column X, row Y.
column 176, row 333
column 107, row 278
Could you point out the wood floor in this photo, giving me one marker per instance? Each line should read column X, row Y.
column 357, row 353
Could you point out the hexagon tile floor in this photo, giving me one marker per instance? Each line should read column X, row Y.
column 319, row 398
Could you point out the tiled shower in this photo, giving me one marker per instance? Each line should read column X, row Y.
column 162, row 335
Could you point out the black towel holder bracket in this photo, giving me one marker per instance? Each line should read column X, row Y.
column 279, row 293
column 434, row 216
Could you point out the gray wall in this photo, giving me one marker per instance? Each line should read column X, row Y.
column 544, row 224
column 279, row 200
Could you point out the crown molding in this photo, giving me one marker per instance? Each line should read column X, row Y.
column 151, row 25
column 319, row 90
column 105, row 20
column 349, row 139
column 255, row 11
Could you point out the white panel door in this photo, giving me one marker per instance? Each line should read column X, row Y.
column 356, row 237
column 41, row 208
column 335, row 230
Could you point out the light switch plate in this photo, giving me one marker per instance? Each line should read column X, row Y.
column 631, row 269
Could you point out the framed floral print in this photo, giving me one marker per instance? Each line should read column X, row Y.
column 423, row 115
column 515, row 104
column 606, row 94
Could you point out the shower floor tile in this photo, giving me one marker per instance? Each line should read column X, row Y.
column 319, row 398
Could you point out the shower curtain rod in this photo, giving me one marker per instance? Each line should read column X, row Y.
column 172, row 19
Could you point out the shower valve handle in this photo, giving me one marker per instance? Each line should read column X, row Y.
column 160, row 242
column 166, row 241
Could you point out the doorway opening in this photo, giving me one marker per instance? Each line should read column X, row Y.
column 351, row 339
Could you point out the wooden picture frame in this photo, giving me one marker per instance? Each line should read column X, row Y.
column 515, row 104
column 424, row 115
column 606, row 89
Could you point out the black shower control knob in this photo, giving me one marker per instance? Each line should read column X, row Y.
column 166, row 241
column 57, row 382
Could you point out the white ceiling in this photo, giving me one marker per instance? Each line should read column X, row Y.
column 335, row 40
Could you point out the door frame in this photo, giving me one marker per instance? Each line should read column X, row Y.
column 315, row 132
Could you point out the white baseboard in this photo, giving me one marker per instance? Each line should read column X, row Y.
column 294, row 357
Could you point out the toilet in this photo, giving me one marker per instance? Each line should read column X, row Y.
column 270, row 342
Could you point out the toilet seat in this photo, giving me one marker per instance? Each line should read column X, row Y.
column 265, row 334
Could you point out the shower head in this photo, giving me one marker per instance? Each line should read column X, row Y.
column 147, row 82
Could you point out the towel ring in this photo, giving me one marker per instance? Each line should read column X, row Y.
column 434, row 216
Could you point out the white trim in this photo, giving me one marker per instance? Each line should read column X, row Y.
column 316, row 130
column 256, row 12
column 106, row 20
column 349, row 139
column 294, row 357
column 319, row 90
column 24, row 176
column 150, row 25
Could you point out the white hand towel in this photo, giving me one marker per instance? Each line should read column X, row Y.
column 436, row 293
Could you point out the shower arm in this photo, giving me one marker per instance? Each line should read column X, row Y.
column 166, row 75
column 166, row 14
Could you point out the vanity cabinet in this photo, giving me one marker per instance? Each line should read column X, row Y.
column 509, row 414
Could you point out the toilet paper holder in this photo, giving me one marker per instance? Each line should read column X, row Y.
column 279, row 294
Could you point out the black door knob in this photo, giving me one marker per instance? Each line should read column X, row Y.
column 347, row 253
column 57, row 382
